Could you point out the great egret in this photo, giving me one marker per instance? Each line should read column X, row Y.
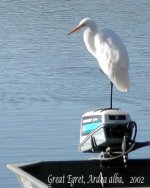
column 109, row 50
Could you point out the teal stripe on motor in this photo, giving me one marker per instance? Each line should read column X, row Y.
column 89, row 127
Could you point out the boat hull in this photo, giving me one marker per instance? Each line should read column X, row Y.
column 88, row 173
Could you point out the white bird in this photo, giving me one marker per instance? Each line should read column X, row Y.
column 109, row 50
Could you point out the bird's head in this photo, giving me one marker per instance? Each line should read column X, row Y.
column 86, row 23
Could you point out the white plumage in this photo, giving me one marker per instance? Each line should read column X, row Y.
column 109, row 50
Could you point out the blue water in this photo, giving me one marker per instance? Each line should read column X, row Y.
column 48, row 80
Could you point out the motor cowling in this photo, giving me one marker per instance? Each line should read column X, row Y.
column 104, row 130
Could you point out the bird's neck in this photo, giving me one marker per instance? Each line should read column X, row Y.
column 88, row 37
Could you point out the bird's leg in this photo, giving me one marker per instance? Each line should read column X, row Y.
column 111, row 84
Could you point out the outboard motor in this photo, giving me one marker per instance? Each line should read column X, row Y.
column 108, row 131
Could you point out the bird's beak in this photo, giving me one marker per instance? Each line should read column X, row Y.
column 75, row 29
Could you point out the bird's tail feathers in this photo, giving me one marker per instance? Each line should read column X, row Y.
column 121, row 81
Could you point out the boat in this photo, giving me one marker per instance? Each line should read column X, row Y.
column 109, row 132
column 84, row 173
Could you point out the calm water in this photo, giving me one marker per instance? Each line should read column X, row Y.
column 48, row 79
